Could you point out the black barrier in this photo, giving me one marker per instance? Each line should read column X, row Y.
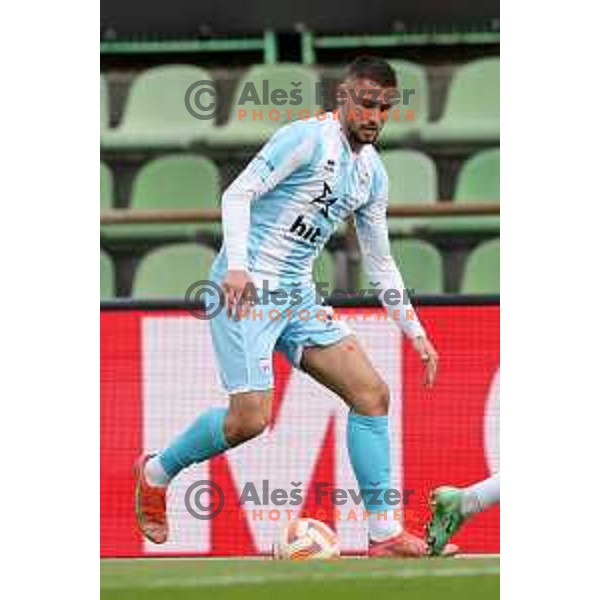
column 177, row 19
column 336, row 302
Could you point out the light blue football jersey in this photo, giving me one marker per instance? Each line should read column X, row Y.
column 304, row 183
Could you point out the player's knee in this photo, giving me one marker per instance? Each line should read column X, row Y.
column 256, row 424
column 241, row 428
column 376, row 399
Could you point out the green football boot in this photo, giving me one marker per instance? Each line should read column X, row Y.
column 446, row 517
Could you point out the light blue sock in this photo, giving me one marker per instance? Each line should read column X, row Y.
column 369, row 447
column 203, row 439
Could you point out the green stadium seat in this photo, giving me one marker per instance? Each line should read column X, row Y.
column 155, row 114
column 107, row 276
column 478, row 181
column 248, row 132
column 420, row 264
column 410, row 76
column 482, row 270
column 169, row 271
column 104, row 104
column 182, row 181
column 106, row 187
column 472, row 111
column 412, row 180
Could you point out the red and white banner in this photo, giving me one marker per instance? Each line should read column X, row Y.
column 158, row 373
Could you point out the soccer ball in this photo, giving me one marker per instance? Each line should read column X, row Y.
column 306, row 539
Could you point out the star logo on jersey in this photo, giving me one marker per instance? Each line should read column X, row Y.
column 324, row 200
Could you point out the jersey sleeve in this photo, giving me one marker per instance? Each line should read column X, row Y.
column 289, row 148
column 373, row 237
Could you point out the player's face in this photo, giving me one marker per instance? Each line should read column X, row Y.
column 363, row 109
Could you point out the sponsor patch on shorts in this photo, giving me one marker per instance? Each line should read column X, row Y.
column 265, row 365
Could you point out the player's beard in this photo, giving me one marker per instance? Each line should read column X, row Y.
column 363, row 136
column 355, row 135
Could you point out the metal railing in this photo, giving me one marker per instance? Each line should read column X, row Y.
column 438, row 209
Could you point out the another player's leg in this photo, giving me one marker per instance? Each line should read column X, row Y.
column 450, row 507
column 211, row 434
column 345, row 369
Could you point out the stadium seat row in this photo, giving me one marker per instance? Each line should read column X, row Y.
column 167, row 272
column 173, row 106
column 191, row 181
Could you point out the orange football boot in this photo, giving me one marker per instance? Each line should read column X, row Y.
column 150, row 505
column 405, row 545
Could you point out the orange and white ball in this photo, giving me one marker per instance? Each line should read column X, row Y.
column 307, row 539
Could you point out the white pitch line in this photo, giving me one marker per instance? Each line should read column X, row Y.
column 229, row 580
column 259, row 558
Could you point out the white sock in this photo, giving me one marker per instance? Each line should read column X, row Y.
column 381, row 528
column 481, row 495
column 155, row 474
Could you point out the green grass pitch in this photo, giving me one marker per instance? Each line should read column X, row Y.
column 257, row 579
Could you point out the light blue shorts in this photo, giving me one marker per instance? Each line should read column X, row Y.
column 244, row 348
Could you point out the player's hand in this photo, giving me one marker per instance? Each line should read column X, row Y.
column 236, row 287
column 430, row 358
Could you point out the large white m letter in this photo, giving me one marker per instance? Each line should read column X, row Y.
column 180, row 382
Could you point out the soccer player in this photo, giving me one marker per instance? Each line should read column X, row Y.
column 277, row 216
column 451, row 506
